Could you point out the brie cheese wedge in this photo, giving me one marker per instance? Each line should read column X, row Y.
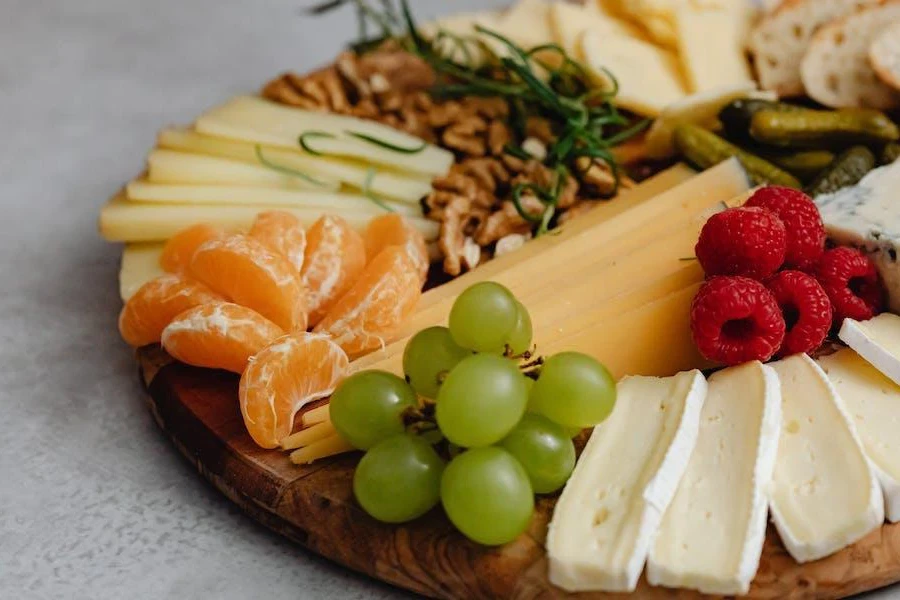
column 873, row 403
column 712, row 535
column 876, row 340
column 608, row 514
column 824, row 495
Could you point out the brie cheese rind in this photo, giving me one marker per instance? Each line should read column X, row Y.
column 876, row 340
column 824, row 495
column 608, row 514
column 712, row 535
column 864, row 216
column 873, row 402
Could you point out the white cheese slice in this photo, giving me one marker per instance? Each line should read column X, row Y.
column 873, row 402
column 570, row 21
column 648, row 76
column 608, row 514
column 865, row 216
column 824, row 495
column 140, row 264
column 711, row 537
column 876, row 340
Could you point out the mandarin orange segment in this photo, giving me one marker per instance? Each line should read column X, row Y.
column 335, row 256
column 248, row 273
column 218, row 336
column 156, row 303
column 393, row 230
column 385, row 294
column 176, row 254
column 282, row 232
column 285, row 376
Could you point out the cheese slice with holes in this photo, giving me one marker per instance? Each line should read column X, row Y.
column 711, row 537
column 877, row 340
column 140, row 264
column 824, row 495
column 608, row 514
column 873, row 404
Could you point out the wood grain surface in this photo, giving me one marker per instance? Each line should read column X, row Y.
column 314, row 506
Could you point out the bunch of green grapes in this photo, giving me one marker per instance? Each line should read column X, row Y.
column 471, row 426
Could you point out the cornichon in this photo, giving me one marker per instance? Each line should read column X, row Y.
column 736, row 115
column 890, row 153
column 818, row 128
column 704, row 149
column 847, row 169
column 804, row 164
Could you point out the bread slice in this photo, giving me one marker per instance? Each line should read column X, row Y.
column 884, row 55
column 836, row 70
column 780, row 39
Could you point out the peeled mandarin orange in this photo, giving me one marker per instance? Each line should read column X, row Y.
column 248, row 273
column 371, row 311
column 282, row 232
column 393, row 230
column 156, row 303
column 335, row 256
column 283, row 377
column 177, row 252
column 218, row 336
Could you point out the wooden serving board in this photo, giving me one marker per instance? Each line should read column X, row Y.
column 314, row 506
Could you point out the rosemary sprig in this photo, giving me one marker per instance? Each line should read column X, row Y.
column 286, row 170
column 303, row 137
column 387, row 145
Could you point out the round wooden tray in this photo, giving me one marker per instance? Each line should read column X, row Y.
column 314, row 506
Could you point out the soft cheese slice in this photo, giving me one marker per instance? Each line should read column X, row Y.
column 876, row 340
column 608, row 514
column 570, row 21
column 873, row 402
column 712, row 535
column 865, row 216
column 824, row 495
column 140, row 264
column 710, row 43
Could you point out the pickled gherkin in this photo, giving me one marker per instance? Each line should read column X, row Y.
column 846, row 170
column 737, row 115
column 822, row 128
column 704, row 149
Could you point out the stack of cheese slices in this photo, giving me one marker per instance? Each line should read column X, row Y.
column 683, row 474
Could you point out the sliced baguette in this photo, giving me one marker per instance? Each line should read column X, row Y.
column 884, row 55
column 780, row 39
column 836, row 70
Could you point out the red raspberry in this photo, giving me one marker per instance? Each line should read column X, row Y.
column 851, row 281
column 736, row 319
column 806, row 309
column 801, row 218
column 742, row 241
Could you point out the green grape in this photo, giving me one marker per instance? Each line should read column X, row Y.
column 483, row 317
column 487, row 496
column 544, row 449
column 399, row 479
column 572, row 431
column 574, row 390
column 428, row 357
column 367, row 407
column 481, row 400
column 520, row 339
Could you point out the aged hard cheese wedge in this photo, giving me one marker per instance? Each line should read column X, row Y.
column 140, row 264
column 876, row 340
column 649, row 78
column 873, row 402
column 864, row 216
column 824, row 493
column 712, row 535
column 608, row 514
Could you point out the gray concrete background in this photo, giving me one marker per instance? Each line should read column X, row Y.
column 94, row 501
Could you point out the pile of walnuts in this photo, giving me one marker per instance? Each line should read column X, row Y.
column 471, row 202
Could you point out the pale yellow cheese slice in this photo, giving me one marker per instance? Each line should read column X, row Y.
column 711, row 45
column 140, row 264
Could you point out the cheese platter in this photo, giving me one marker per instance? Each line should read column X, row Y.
column 571, row 298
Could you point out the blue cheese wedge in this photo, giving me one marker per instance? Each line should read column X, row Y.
column 873, row 403
column 866, row 216
column 824, row 495
column 608, row 514
column 877, row 340
column 712, row 535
